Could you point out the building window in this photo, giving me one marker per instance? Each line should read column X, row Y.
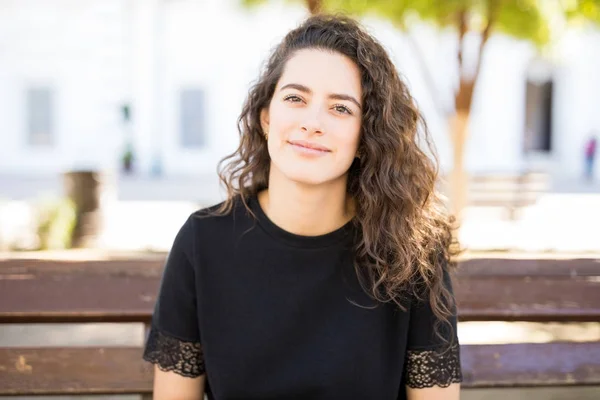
column 539, row 92
column 40, row 113
column 538, row 116
column 192, row 124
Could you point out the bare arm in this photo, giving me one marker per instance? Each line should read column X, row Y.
column 451, row 392
column 433, row 368
column 172, row 386
column 173, row 344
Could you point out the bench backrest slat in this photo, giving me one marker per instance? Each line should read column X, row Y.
column 121, row 291
column 74, row 370
column 531, row 364
column 111, row 370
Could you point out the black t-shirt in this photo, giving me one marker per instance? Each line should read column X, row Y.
column 268, row 314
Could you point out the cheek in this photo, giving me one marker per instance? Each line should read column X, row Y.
column 281, row 119
column 350, row 140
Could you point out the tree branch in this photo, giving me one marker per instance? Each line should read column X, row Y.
column 493, row 8
column 462, row 31
column 314, row 6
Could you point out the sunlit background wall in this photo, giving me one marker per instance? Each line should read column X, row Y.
column 148, row 93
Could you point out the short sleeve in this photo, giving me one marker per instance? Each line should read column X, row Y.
column 173, row 342
column 433, row 351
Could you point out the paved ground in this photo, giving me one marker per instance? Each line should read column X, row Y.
column 144, row 213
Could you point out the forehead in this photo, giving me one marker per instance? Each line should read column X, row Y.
column 323, row 71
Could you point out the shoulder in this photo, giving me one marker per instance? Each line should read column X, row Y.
column 209, row 230
column 218, row 214
column 215, row 222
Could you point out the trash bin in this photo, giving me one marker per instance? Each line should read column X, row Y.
column 84, row 188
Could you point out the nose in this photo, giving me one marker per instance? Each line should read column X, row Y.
column 313, row 121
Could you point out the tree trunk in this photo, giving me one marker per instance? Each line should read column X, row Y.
column 459, row 123
column 459, row 177
column 314, row 6
column 84, row 189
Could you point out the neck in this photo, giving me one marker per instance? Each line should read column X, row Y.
column 308, row 210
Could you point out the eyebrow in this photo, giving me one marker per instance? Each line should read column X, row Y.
column 337, row 96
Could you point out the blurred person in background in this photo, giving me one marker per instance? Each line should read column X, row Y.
column 326, row 272
column 590, row 156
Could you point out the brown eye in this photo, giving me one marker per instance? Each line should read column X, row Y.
column 292, row 98
column 342, row 109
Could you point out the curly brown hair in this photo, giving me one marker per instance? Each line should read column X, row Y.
column 404, row 236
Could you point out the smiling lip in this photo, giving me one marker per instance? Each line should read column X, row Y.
column 309, row 145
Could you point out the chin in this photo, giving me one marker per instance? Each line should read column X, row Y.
column 306, row 176
column 307, row 179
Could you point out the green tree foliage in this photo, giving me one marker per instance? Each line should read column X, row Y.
column 582, row 10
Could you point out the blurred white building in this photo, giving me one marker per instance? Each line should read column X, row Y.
column 69, row 68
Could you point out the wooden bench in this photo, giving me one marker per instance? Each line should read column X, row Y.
column 38, row 291
column 509, row 192
column 46, row 291
column 516, row 190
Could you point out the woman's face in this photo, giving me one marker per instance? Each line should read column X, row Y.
column 314, row 117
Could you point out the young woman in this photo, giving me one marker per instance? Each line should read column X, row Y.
column 325, row 273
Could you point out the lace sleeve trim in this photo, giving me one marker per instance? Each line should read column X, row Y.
column 428, row 368
column 171, row 354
